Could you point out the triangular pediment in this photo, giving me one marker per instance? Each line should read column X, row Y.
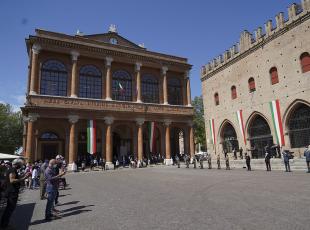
column 112, row 38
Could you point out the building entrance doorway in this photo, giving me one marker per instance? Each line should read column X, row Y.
column 122, row 144
column 229, row 138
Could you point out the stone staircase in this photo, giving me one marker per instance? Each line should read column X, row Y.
column 297, row 164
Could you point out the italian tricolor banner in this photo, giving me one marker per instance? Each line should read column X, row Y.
column 152, row 139
column 212, row 131
column 91, row 137
column 240, row 122
column 277, row 121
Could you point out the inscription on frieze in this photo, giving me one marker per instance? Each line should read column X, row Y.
column 107, row 105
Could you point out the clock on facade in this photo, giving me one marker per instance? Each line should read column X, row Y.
column 113, row 41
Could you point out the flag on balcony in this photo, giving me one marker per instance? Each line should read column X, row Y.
column 212, row 131
column 121, row 88
column 240, row 122
column 152, row 137
column 91, row 137
column 277, row 121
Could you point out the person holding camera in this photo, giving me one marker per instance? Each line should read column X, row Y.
column 13, row 183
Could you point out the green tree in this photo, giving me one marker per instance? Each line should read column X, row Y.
column 199, row 123
column 11, row 129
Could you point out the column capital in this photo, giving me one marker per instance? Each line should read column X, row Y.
column 140, row 121
column 74, row 55
column 138, row 66
column 36, row 48
column 32, row 117
column 73, row 118
column 164, row 70
column 167, row 122
column 108, row 61
column 108, row 120
column 190, row 123
column 186, row 75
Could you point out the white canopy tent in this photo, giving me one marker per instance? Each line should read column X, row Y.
column 4, row 156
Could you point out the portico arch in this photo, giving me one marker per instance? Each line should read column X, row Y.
column 228, row 136
column 122, row 142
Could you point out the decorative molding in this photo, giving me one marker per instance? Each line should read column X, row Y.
column 74, row 55
column 32, row 117
column 108, row 120
column 167, row 122
column 73, row 119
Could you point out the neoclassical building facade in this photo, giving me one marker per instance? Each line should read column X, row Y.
column 258, row 92
column 111, row 80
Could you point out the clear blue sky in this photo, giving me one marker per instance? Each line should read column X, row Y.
column 196, row 29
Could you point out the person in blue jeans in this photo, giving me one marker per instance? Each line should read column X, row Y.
column 51, row 179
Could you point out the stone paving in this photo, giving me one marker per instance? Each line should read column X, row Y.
column 171, row 198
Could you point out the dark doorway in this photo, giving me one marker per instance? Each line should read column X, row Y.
column 259, row 136
column 229, row 138
column 49, row 150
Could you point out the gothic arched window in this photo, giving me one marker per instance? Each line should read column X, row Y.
column 150, row 89
column 54, row 78
column 122, row 86
column 175, row 92
column 90, row 82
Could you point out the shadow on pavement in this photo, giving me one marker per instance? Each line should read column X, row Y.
column 68, row 203
column 22, row 216
column 69, row 212
column 64, row 195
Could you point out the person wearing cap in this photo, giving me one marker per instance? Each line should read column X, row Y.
column 13, row 181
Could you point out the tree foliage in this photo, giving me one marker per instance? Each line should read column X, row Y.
column 11, row 129
column 199, row 123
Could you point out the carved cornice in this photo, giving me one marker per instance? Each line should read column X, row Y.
column 68, row 103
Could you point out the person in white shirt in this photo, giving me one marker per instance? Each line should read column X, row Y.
column 34, row 177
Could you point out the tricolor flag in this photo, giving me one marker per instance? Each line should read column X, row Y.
column 212, row 131
column 121, row 88
column 152, row 139
column 240, row 122
column 277, row 121
column 91, row 137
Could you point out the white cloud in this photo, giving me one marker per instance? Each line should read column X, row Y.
column 20, row 99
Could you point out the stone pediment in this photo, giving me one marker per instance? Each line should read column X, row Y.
column 112, row 38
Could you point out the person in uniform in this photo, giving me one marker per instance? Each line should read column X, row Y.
column 286, row 159
column 267, row 158
column 227, row 162
column 248, row 161
column 218, row 161
column 235, row 153
column 240, row 152
column 13, row 182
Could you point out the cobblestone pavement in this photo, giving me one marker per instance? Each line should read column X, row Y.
column 171, row 198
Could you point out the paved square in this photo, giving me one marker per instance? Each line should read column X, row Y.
column 171, row 198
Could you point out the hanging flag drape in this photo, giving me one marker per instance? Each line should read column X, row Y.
column 121, row 88
column 212, row 131
column 91, row 137
column 277, row 121
column 241, row 126
column 151, row 129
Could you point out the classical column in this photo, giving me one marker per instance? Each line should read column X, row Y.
column 74, row 73
column 34, row 69
column 73, row 119
column 25, row 120
column 32, row 117
column 165, row 86
column 168, row 160
column 108, row 142
column 140, row 122
column 191, row 139
column 138, row 77
column 188, row 89
column 108, row 78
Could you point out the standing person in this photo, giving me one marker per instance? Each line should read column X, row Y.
column 267, row 158
column 13, row 185
column 307, row 155
column 218, row 161
column 240, row 152
column 42, row 179
column 177, row 159
column 248, row 161
column 209, row 161
column 235, row 153
column 51, row 188
column 34, row 177
column 194, row 162
column 286, row 159
column 227, row 162
column 57, row 169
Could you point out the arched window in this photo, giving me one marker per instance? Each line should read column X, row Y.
column 175, row 92
column 90, row 82
column 122, row 86
column 229, row 138
column 251, row 85
column 150, row 90
column 305, row 62
column 54, row 78
column 233, row 92
column 299, row 126
column 274, row 75
column 49, row 136
column 216, row 99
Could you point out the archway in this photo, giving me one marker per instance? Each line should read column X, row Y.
column 298, row 124
column 51, row 145
column 259, row 136
column 229, row 137
column 122, row 143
